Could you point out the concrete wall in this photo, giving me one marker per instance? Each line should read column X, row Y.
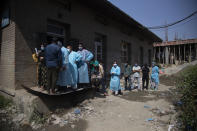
column 31, row 23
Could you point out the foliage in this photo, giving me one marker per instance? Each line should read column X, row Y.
column 38, row 118
column 4, row 102
column 187, row 85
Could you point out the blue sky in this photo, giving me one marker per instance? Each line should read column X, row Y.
column 155, row 12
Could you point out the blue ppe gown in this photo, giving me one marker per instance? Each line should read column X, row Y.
column 62, row 77
column 71, row 72
column 83, row 67
column 115, row 79
column 155, row 75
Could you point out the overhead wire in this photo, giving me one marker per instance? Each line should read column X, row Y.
column 174, row 23
column 176, row 26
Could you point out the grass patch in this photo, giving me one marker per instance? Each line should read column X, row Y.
column 4, row 102
column 174, row 79
column 187, row 86
column 186, row 83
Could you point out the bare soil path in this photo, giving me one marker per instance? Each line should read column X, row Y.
column 134, row 111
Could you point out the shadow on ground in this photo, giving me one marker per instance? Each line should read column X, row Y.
column 80, row 125
column 144, row 96
column 168, row 80
column 66, row 101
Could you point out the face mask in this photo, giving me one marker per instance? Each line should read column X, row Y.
column 42, row 48
column 115, row 65
column 135, row 65
column 80, row 48
column 69, row 50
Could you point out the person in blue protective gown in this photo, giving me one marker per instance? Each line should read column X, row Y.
column 62, row 77
column 70, row 76
column 155, row 77
column 115, row 78
column 83, row 66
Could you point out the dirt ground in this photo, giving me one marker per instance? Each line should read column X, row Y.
column 133, row 111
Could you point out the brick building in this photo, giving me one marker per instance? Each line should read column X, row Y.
column 104, row 29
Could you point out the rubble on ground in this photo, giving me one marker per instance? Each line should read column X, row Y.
column 78, row 113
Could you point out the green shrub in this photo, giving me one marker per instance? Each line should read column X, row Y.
column 187, row 85
column 37, row 117
column 4, row 102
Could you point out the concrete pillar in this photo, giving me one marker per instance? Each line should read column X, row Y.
column 163, row 55
column 190, row 52
column 170, row 54
column 196, row 49
column 179, row 53
column 184, row 53
column 166, row 55
column 154, row 50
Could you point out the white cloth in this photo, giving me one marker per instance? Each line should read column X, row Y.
column 136, row 74
column 101, row 70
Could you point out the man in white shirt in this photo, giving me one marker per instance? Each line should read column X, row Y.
column 136, row 76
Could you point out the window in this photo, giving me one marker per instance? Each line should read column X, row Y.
column 56, row 31
column 100, row 48
column 125, row 52
column 99, row 39
column 5, row 17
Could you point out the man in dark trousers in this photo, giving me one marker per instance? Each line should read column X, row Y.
column 145, row 76
column 53, row 63
column 127, row 74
